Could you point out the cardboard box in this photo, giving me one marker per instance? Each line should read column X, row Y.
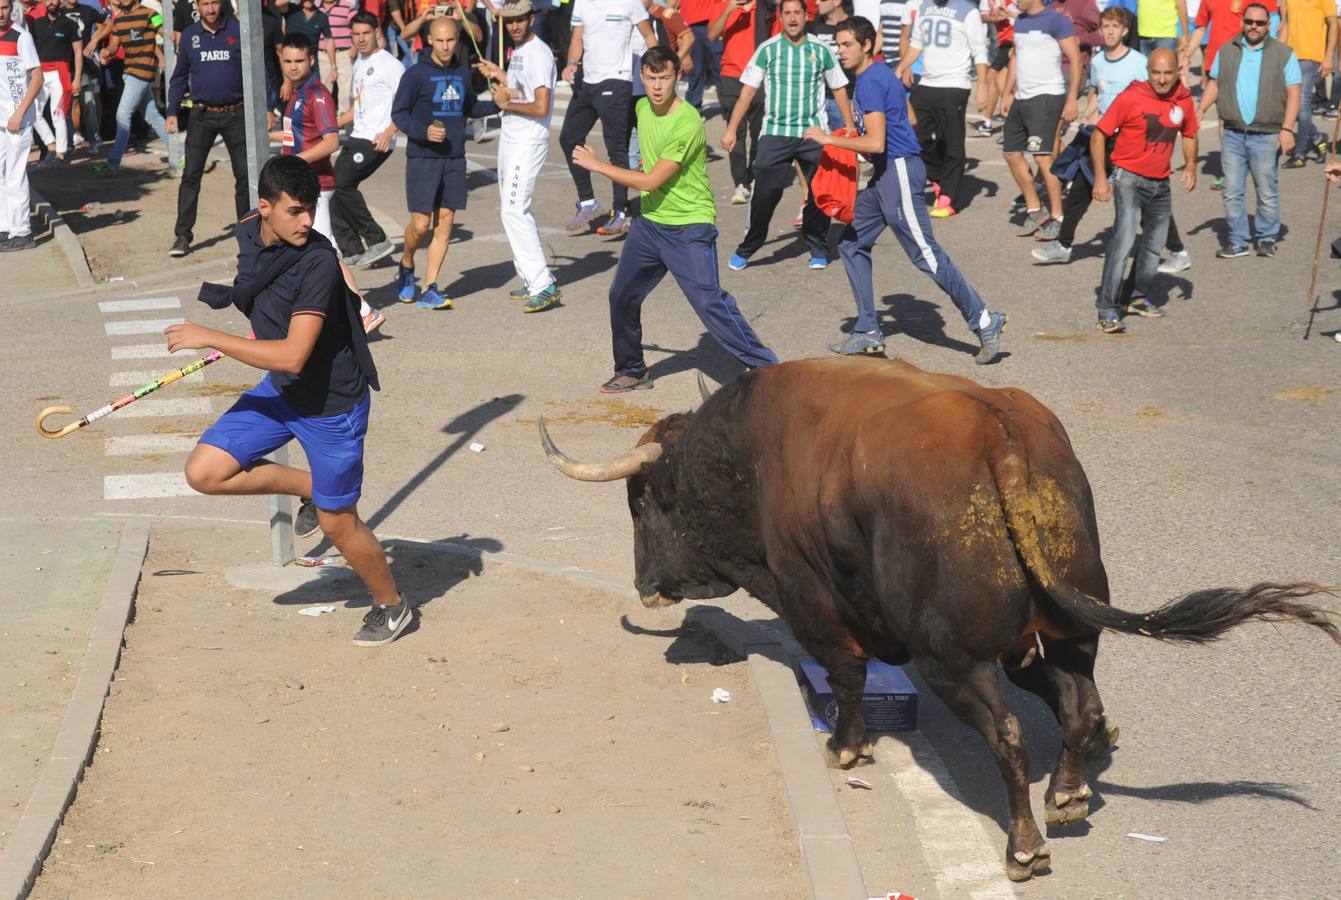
column 888, row 704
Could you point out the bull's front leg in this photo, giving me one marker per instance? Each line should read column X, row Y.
column 847, row 677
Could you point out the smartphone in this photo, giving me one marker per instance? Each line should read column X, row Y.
column 442, row 9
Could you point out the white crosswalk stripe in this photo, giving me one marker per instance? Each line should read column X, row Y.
column 138, row 326
column 148, row 351
column 115, row 306
column 139, row 444
column 158, row 407
column 149, row 486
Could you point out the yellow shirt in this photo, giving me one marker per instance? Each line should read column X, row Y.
column 1157, row 18
column 1307, row 34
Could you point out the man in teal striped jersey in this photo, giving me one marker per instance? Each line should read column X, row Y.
column 793, row 69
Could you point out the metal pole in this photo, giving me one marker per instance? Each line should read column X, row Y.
column 169, row 66
column 258, row 151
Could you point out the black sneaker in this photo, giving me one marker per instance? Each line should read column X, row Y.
column 1293, row 161
column 180, row 247
column 306, row 521
column 17, row 242
column 623, row 383
column 1266, row 248
column 383, row 624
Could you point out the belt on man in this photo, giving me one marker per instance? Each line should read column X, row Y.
column 1250, row 130
column 220, row 107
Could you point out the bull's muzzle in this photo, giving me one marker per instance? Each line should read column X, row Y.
column 657, row 600
column 613, row 470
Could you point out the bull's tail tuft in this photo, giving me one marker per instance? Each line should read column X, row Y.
column 1196, row 618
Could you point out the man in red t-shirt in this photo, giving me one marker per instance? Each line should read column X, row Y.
column 1146, row 118
column 733, row 23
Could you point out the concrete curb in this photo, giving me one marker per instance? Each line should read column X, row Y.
column 55, row 790
column 64, row 238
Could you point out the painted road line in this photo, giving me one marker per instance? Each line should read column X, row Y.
column 119, row 306
column 142, row 487
column 170, row 406
column 138, row 326
column 134, row 377
column 138, row 444
column 956, row 847
column 148, row 351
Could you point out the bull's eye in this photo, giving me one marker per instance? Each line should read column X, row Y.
column 642, row 503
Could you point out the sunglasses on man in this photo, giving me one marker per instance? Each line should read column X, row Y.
column 1257, row 23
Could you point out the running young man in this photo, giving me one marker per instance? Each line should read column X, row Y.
column 675, row 232
column 524, row 94
column 20, row 83
column 373, row 87
column 316, row 388
column 893, row 199
column 796, row 68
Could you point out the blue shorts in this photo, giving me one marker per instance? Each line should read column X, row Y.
column 260, row 422
column 433, row 183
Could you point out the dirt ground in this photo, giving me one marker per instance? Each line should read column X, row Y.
column 529, row 738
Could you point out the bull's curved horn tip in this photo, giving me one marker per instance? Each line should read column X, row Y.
column 703, row 387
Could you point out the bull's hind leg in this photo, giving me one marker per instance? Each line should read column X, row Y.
column 974, row 694
column 1064, row 677
column 847, row 677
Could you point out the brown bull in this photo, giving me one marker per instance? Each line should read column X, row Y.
column 885, row 512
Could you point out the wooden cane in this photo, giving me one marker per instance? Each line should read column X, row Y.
column 1322, row 222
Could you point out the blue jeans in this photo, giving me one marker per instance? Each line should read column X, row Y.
column 394, row 40
column 895, row 201
column 1143, row 201
column 136, row 96
column 689, row 253
column 832, row 114
column 1307, row 135
column 707, row 56
column 1150, row 45
column 1243, row 155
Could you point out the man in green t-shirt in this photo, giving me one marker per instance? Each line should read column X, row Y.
column 675, row 233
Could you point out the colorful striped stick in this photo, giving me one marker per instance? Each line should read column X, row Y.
column 121, row 402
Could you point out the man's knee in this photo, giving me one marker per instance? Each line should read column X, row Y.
column 208, row 467
column 338, row 524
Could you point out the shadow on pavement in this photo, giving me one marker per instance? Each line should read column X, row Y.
column 705, row 356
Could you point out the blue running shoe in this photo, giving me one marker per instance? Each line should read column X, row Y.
column 737, row 262
column 433, row 299
column 990, row 337
column 818, row 262
column 407, row 289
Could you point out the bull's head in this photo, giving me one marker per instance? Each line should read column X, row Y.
column 669, row 562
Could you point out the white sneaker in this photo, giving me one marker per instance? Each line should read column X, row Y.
column 1177, row 262
column 741, row 196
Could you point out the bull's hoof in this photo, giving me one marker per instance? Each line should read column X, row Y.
column 1105, row 740
column 1067, row 807
column 847, row 757
column 1025, row 864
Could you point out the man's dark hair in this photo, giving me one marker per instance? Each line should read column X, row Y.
column 298, row 42
column 656, row 59
column 364, row 18
column 288, row 175
column 1262, row 6
column 785, row 2
column 863, row 32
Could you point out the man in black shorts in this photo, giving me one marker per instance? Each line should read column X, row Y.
column 1040, row 101
column 309, row 340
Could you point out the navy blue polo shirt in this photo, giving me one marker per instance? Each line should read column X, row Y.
column 210, row 64
column 331, row 382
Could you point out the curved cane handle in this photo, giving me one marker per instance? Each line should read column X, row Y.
column 55, row 411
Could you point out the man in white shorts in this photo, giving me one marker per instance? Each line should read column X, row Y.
column 20, row 83
column 524, row 95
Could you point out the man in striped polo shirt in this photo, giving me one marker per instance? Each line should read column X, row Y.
column 337, row 69
column 796, row 68
column 135, row 31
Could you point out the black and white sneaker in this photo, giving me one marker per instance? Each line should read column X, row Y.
column 383, row 624
column 306, row 521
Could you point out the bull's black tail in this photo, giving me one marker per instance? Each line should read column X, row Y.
column 1196, row 618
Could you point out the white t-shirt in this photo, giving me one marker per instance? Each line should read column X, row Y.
column 952, row 38
column 14, row 71
column 531, row 67
column 607, row 37
column 375, row 80
column 868, row 10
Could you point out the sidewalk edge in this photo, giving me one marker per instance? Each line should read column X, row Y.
column 27, row 849
column 64, row 238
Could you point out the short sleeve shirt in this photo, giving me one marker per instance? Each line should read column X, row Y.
column 373, row 86
column 737, row 38
column 1038, row 53
column 1005, row 29
column 531, row 67
column 331, row 381
column 315, row 28
column 1308, row 27
column 1222, row 19
column 86, row 19
column 54, row 39
column 1156, row 18
column 1147, row 127
column 879, row 91
column 793, row 77
column 607, row 37
column 1250, row 74
column 137, row 30
column 1111, row 77
column 686, row 198
column 18, row 57
column 338, row 16
column 309, row 115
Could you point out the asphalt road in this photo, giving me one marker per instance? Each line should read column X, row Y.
column 1209, row 436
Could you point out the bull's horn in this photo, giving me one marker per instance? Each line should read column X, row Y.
column 703, row 387
column 615, row 469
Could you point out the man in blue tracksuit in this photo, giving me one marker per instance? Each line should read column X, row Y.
column 894, row 199
column 431, row 107
column 209, row 63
